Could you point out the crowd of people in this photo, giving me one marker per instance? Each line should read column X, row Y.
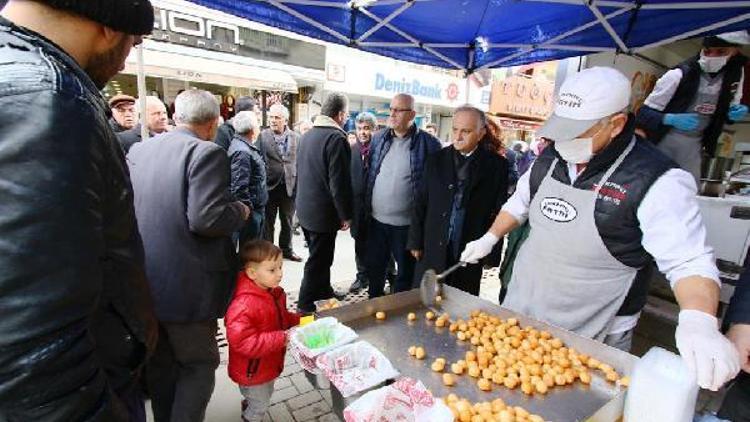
column 120, row 254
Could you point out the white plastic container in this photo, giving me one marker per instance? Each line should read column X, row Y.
column 661, row 389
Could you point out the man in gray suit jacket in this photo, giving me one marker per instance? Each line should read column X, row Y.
column 186, row 217
column 279, row 148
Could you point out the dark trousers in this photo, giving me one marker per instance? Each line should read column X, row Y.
column 133, row 401
column 384, row 241
column 316, row 281
column 360, row 257
column 468, row 278
column 253, row 228
column 736, row 405
column 281, row 203
column 181, row 373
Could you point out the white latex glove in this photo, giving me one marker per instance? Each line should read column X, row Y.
column 710, row 356
column 479, row 248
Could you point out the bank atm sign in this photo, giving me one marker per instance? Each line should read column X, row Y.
column 415, row 87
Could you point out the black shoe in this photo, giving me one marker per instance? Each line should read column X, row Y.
column 359, row 284
column 391, row 278
column 292, row 257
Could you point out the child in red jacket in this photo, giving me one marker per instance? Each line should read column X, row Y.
column 256, row 321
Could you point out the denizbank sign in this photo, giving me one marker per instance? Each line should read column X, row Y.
column 407, row 86
column 360, row 73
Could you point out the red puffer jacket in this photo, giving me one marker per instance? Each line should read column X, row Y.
column 255, row 321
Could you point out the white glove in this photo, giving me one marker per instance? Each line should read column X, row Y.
column 710, row 356
column 479, row 248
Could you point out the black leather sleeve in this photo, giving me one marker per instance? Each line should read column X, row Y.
column 51, row 251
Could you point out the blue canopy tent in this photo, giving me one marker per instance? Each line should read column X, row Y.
column 477, row 34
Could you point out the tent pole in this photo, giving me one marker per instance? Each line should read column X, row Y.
column 308, row 20
column 411, row 38
column 385, row 21
column 605, row 23
column 468, row 87
column 604, row 3
column 141, row 79
column 553, row 40
column 697, row 5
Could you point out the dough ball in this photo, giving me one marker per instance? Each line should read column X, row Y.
column 412, row 350
column 474, row 372
column 457, row 369
column 412, row 316
column 527, row 388
column 541, row 387
column 448, row 380
column 380, row 315
column 511, row 382
column 484, row 385
column 430, row 315
column 585, row 377
column 419, row 353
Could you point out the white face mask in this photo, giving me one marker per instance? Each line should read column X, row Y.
column 577, row 151
column 712, row 64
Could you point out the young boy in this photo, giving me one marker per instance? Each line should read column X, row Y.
column 256, row 323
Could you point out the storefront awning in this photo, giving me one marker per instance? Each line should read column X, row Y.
column 200, row 69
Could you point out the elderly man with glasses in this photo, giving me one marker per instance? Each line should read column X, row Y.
column 394, row 179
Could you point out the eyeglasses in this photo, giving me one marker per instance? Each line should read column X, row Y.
column 399, row 110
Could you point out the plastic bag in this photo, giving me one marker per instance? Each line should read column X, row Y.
column 321, row 336
column 405, row 400
column 355, row 367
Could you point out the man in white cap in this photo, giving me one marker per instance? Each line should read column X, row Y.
column 690, row 104
column 602, row 204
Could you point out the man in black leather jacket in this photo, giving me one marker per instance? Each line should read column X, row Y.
column 76, row 320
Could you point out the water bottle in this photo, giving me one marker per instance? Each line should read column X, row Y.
column 661, row 389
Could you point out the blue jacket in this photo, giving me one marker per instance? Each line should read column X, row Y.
column 422, row 145
column 248, row 174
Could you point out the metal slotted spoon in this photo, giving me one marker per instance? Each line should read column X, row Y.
column 432, row 284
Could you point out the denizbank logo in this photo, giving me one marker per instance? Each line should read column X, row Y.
column 413, row 87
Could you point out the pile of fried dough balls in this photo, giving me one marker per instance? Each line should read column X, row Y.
column 506, row 355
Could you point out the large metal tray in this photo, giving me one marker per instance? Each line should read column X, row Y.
column 600, row 402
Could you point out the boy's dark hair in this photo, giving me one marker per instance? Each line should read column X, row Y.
column 257, row 251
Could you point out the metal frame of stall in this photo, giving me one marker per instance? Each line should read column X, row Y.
column 361, row 6
column 552, row 44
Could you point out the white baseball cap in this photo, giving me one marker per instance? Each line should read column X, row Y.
column 583, row 100
column 736, row 37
